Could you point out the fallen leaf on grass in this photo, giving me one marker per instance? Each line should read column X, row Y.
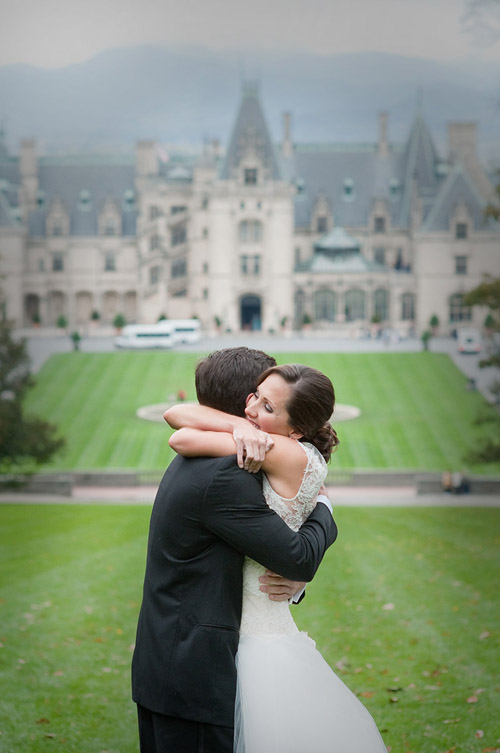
column 43, row 720
column 484, row 635
column 479, row 733
column 367, row 694
column 451, row 721
column 472, row 699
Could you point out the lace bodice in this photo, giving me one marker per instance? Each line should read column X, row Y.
column 260, row 615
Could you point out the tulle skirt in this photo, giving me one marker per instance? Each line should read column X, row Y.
column 288, row 700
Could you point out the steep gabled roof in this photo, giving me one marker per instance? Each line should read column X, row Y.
column 101, row 178
column 250, row 135
column 457, row 188
column 418, row 166
column 327, row 169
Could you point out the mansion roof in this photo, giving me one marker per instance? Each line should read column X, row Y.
column 349, row 177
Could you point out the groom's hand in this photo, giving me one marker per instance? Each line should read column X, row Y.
column 279, row 588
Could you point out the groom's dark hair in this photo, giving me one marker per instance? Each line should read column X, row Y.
column 226, row 377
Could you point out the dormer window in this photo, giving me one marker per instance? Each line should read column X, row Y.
column 41, row 197
column 250, row 176
column 394, row 187
column 379, row 225
column 461, row 231
column 348, row 192
column 129, row 200
column 84, row 200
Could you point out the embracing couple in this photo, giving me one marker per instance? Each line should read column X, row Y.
column 219, row 664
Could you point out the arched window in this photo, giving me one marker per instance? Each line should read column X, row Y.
column 408, row 307
column 354, row 305
column 324, row 306
column 381, row 304
column 459, row 312
column 250, row 308
column 250, row 231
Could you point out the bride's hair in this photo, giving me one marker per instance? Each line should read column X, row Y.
column 310, row 406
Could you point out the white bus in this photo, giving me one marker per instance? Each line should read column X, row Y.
column 184, row 330
column 164, row 334
column 145, row 336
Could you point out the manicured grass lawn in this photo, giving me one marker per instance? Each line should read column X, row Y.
column 416, row 412
column 405, row 607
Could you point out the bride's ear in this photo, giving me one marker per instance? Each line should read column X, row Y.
column 249, row 397
column 295, row 434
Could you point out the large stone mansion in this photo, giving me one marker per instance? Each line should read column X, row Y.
column 255, row 236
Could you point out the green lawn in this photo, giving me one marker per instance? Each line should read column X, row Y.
column 416, row 412
column 405, row 608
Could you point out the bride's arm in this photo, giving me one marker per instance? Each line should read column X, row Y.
column 280, row 457
column 249, row 444
column 284, row 463
column 200, row 417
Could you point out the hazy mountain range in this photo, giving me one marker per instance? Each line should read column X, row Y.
column 185, row 96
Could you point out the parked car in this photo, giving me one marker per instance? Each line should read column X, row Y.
column 469, row 341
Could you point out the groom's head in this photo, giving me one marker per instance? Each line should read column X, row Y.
column 226, row 377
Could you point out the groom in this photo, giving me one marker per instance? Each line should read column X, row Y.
column 208, row 514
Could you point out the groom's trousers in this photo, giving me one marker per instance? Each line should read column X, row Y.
column 167, row 734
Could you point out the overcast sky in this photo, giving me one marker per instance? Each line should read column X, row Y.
column 54, row 33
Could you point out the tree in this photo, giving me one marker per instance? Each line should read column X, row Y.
column 23, row 439
column 481, row 20
column 119, row 321
column 487, row 294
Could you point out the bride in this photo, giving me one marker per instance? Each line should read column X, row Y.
column 288, row 699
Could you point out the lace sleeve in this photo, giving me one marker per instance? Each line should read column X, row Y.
column 314, row 475
column 294, row 511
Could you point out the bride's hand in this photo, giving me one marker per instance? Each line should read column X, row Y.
column 279, row 588
column 251, row 446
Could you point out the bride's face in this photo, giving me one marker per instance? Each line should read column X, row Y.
column 266, row 407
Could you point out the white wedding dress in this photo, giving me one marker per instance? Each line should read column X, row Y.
column 288, row 700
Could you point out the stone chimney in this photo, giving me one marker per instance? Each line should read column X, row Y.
column 29, row 174
column 287, row 147
column 463, row 150
column 146, row 159
column 383, row 144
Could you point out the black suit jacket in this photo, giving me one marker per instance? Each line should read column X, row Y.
column 207, row 515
